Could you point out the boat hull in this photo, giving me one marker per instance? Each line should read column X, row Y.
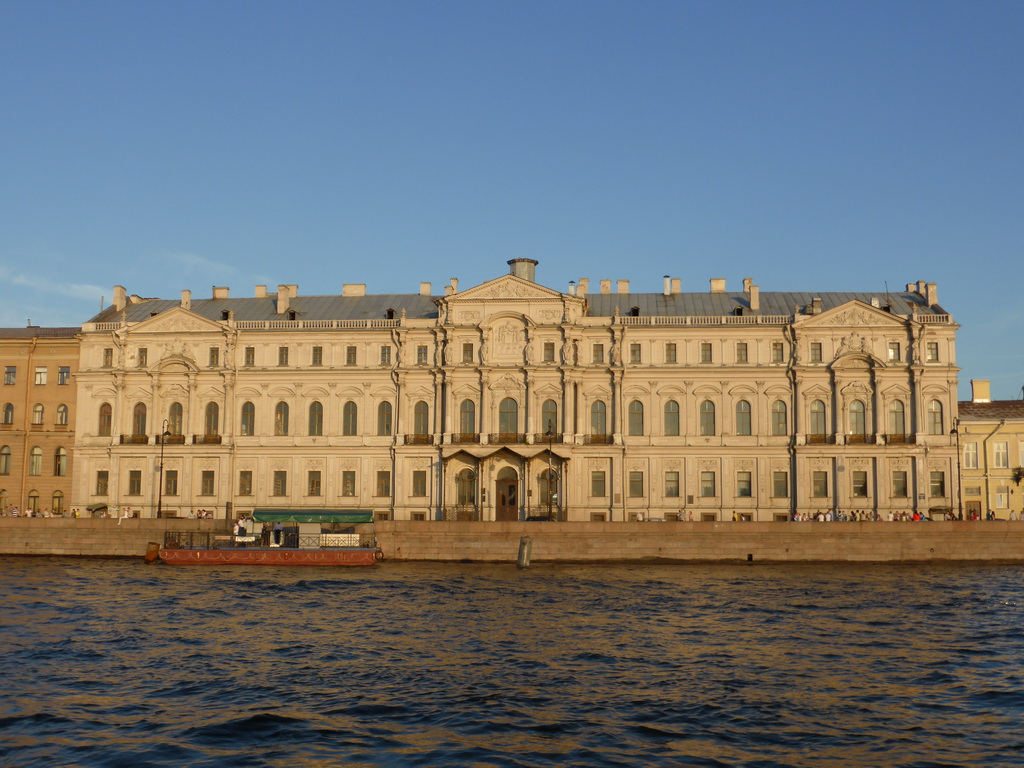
column 246, row 556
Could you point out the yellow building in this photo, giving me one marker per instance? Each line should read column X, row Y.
column 991, row 436
column 37, row 434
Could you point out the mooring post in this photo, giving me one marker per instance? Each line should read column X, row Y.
column 525, row 545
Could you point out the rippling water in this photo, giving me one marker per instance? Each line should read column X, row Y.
column 112, row 663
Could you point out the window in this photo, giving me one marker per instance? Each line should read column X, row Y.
column 10, row 374
column 636, row 418
column 214, row 357
column 817, row 418
column 212, row 419
column 672, row 418
column 350, row 419
column 316, row 418
column 281, row 419
column 139, row 419
column 634, row 354
column 932, row 352
column 280, row 483
column 41, row 376
column 467, row 417
column 419, row 482
column 858, row 424
column 899, row 483
column 467, row 353
column 938, row 483
column 248, row 423
column 465, row 488
column 935, row 418
column 815, row 351
column 1002, row 497
column 707, row 418
column 819, row 484
column 350, row 355
column 57, row 503
column 744, row 486
column 777, row 352
column 1001, row 455
column 421, row 418
column 597, row 353
column 317, row 357
column 282, row 356
column 313, row 482
column 780, row 485
column 171, row 482
column 670, row 352
column 421, row 354
column 672, row 485
column 549, row 417
column 245, row 482
column 250, row 357
column 859, row 480
column 385, row 354
column 348, row 483
column 707, row 485
column 105, row 420
column 143, row 358
column 598, row 418
column 60, row 462
column 508, row 416
column 741, row 352
column 384, row 418
column 62, row 415
column 780, row 418
column 705, row 352
column 598, row 486
column 742, row 418
column 897, row 418
column 549, row 351
column 383, row 483
column 37, row 414
column 207, row 483
column 108, row 357
column 135, row 482
column 102, row 479
column 33, row 501
column 636, row 484
column 894, row 351
column 5, row 460
column 970, row 455
column 9, row 414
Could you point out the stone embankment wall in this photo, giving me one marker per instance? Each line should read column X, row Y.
column 574, row 542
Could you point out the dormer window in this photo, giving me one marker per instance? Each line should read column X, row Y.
column 390, row 314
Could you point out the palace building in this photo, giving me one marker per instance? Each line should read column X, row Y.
column 991, row 436
column 512, row 400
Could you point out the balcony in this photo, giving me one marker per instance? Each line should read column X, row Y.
column 174, row 440
column 419, row 439
column 855, row 439
column 542, row 438
column 465, row 437
column 206, row 439
column 506, row 437
column 821, row 439
column 134, row 439
column 598, row 439
column 462, row 512
column 899, row 439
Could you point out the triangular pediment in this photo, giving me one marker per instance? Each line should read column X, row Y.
column 506, row 288
column 855, row 313
column 176, row 320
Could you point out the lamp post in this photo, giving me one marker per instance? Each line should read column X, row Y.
column 959, row 477
column 551, row 497
column 160, row 483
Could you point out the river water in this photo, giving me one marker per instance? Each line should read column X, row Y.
column 115, row 663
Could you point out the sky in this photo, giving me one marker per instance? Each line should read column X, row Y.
column 813, row 146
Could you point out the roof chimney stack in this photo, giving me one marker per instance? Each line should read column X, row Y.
column 981, row 391
column 718, row 285
column 424, row 289
column 186, row 299
column 667, row 289
column 524, row 268
column 120, row 297
column 283, row 296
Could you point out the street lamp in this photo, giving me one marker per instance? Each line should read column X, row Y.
column 959, row 478
column 160, row 483
column 551, row 496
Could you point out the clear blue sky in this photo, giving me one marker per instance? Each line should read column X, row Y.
column 810, row 145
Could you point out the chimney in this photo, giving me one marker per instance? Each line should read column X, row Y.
column 755, row 298
column 676, row 285
column 816, row 306
column 910, row 287
column 572, row 287
column 186, row 299
column 424, row 289
column 293, row 290
column 981, row 391
column 283, row 296
column 668, row 285
column 606, row 286
column 931, row 294
column 583, row 286
column 747, row 282
column 353, row 289
column 220, row 293
column 455, row 284
column 718, row 285
column 120, row 297
column 448, row 290
column 261, row 291
column 524, row 268
column 622, row 286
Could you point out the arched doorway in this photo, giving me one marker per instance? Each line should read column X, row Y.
column 506, row 495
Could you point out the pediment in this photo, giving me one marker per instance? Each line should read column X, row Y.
column 506, row 287
column 176, row 320
column 855, row 313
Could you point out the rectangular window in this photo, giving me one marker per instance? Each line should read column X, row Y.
column 41, row 376
column 245, row 482
column 1002, row 497
column 317, row 357
column 899, row 483
column 102, row 478
column 250, row 357
column 970, row 455
column 598, row 487
column 780, row 485
column 313, row 483
column 143, row 359
column 819, row 484
column 10, row 374
column 383, row 483
column 636, row 484
column 741, row 352
column 549, row 351
column 421, row 354
column 108, row 357
column 932, row 352
column 171, row 482
column 135, row 482
column 707, row 485
column 938, row 483
column 419, row 482
column 385, row 354
column 214, row 357
column 777, row 351
column 467, row 354
column 705, row 352
column 207, row 487
column 597, row 354
column 280, row 483
column 815, row 351
column 894, row 351
column 634, row 353
column 63, row 376
column 1001, row 455
column 670, row 352
column 744, row 486
column 860, row 483
column 672, row 485
column 282, row 356
column 350, row 355
column 348, row 483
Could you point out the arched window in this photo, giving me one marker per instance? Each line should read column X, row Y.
column 421, row 418
column 350, row 419
column 817, row 418
column 105, row 420
column 384, row 418
column 316, row 418
column 858, row 424
column 3, row 498
column 467, row 417
column 599, row 418
column 672, row 418
column 742, row 417
column 897, row 418
column 212, row 419
column 35, row 461
column 636, row 418
column 37, row 413
column 9, row 414
column 780, row 418
column 60, row 462
column 139, row 419
column 33, row 500
column 5, row 460
column 935, row 418
column 62, row 415
column 247, row 426
column 548, row 483
column 175, row 419
column 508, row 416
column 57, row 503
column 465, row 488
column 707, row 418
column 549, row 417
column 281, row 419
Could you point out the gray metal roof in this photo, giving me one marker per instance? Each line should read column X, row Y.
column 772, row 303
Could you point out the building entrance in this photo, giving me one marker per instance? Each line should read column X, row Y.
column 506, row 495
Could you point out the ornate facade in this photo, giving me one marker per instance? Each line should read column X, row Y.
column 511, row 400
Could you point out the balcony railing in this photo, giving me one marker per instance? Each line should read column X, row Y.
column 461, row 513
column 542, row 437
column 507, row 437
column 852, row 439
column 174, row 440
column 598, row 439
column 554, row 513
column 899, row 439
column 419, row 439
column 134, row 439
column 465, row 437
column 821, row 439
column 206, row 439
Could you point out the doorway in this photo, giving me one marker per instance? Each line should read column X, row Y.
column 506, row 495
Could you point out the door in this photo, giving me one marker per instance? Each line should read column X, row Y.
column 506, row 498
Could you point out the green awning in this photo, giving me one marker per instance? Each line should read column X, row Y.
column 312, row 516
